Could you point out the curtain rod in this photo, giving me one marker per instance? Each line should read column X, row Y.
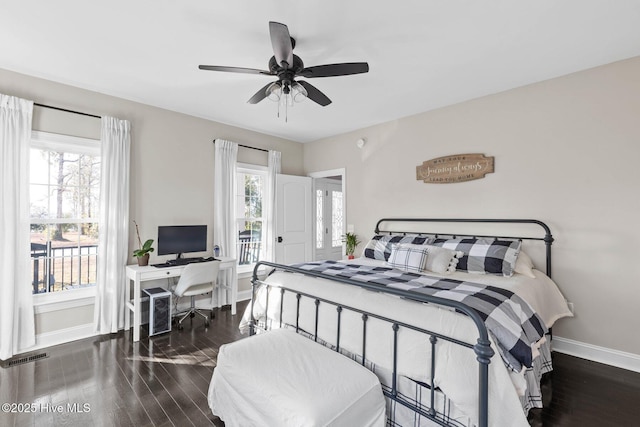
column 67, row 111
column 246, row 146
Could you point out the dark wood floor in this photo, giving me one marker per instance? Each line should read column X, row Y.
column 163, row 381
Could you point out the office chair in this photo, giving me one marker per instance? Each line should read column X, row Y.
column 196, row 279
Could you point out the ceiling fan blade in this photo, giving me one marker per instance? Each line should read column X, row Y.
column 314, row 94
column 333, row 70
column 260, row 95
column 281, row 43
column 234, row 69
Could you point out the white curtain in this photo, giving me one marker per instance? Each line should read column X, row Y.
column 269, row 207
column 224, row 204
column 113, row 226
column 17, row 330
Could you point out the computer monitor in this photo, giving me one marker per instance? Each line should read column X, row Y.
column 179, row 239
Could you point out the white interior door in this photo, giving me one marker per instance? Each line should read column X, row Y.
column 293, row 219
column 329, row 226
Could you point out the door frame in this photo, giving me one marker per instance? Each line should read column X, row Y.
column 325, row 174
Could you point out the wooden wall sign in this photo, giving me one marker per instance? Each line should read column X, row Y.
column 454, row 168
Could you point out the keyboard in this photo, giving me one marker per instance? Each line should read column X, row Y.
column 182, row 261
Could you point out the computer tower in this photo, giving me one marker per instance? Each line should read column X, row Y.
column 159, row 309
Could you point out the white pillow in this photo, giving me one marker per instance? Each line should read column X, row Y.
column 442, row 260
column 524, row 265
column 418, row 258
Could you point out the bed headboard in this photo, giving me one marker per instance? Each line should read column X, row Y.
column 394, row 225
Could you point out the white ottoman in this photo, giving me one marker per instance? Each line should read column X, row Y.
column 280, row 378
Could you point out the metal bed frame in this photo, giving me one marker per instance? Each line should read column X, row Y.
column 482, row 347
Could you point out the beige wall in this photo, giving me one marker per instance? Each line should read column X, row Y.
column 172, row 158
column 566, row 152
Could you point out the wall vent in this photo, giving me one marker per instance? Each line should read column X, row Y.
column 22, row 359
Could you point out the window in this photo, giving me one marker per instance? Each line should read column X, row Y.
column 336, row 219
column 249, row 196
column 329, row 218
column 64, row 201
column 319, row 219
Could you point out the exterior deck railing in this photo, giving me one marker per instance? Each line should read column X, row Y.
column 248, row 251
column 59, row 268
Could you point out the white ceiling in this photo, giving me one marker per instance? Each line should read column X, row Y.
column 422, row 54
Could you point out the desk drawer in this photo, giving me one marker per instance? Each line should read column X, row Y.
column 160, row 273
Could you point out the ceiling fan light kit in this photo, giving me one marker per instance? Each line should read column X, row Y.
column 286, row 96
column 287, row 67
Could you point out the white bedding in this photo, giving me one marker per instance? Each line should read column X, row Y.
column 540, row 292
column 456, row 368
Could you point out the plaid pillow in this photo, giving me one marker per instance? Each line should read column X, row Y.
column 419, row 258
column 380, row 245
column 484, row 256
column 409, row 257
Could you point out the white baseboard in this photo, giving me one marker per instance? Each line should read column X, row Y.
column 63, row 336
column 608, row 356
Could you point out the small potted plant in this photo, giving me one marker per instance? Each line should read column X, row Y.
column 351, row 241
column 143, row 252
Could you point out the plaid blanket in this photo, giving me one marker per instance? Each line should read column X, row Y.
column 511, row 320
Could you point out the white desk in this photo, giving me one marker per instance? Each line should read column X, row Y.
column 138, row 274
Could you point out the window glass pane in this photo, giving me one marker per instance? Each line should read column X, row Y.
column 88, row 254
column 319, row 219
column 64, row 245
column 67, row 163
column 253, row 196
column 93, row 201
column 85, row 190
column 247, row 207
column 70, row 201
column 39, row 205
column 40, row 253
column 39, row 166
column 249, row 242
column 336, row 218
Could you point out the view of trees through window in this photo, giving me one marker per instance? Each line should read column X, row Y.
column 64, row 201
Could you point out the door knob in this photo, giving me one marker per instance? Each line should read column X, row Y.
column 279, row 239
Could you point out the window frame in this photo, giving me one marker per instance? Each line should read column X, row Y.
column 68, row 143
column 248, row 168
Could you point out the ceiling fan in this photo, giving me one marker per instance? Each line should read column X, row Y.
column 288, row 67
